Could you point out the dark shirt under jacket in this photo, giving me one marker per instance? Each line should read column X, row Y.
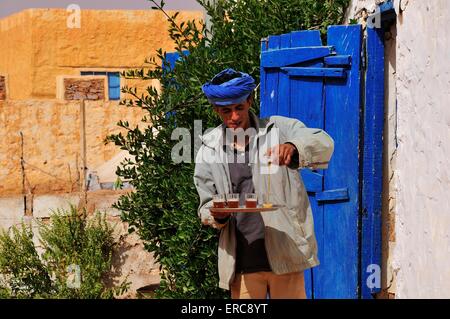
column 251, row 253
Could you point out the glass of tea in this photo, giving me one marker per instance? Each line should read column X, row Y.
column 233, row 200
column 218, row 201
column 266, row 201
column 251, row 200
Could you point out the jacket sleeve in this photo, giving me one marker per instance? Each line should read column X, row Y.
column 204, row 183
column 314, row 145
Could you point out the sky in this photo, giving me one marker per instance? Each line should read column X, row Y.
column 8, row 7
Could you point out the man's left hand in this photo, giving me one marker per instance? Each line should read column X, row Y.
column 282, row 154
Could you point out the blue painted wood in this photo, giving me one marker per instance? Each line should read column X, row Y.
column 270, row 93
column 309, row 90
column 313, row 180
column 338, row 60
column 262, row 83
column 315, row 72
column 114, row 85
column 114, row 79
column 306, row 101
column 386, row 6
column 306, row 104
column 372, row 160
column 168, row 65
column 307, row 38
column 388, row 14
column 289, row 56
column 335, row 108
column 337, row 275
column 283, row 107
column 333, row 195
column 173, row 57
column 285, row 41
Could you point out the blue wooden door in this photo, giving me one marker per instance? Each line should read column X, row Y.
column 321, row 86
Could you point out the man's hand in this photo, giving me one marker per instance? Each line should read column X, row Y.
column 282, row 154
column 220, row 215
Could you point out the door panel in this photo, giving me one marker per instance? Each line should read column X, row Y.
column 323, row 91
column 339, row 267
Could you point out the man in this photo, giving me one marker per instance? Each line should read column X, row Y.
column 259, row 253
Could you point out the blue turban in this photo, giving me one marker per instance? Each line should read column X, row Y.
column 229, row 87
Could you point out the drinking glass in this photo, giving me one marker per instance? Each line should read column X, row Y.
column 251, row 200
column 233, row 200
column 218, row 201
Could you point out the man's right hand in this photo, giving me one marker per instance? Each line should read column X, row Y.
column 221, row 215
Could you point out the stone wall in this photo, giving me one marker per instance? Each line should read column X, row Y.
column 2, row 88
column 84, row 89
column 48, row 135
column 37, row 45
column 15, row 56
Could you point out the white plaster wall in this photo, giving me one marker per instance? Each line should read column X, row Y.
column 357, row 6
column 11, row 211
column 389, row 164
column 422, row 252
column 45, row 205
column 419, row 121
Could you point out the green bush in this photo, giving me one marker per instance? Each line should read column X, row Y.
column 163, row 207
column 70, row 240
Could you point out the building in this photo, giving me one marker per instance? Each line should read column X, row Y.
column 50, row 60
column 415, row 203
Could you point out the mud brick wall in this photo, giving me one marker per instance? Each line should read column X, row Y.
column 89, row 89
column 52, row 142
column 2, row 88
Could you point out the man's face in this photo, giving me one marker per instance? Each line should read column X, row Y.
column 236, row 115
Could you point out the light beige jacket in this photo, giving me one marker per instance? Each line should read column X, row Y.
column 289, row 231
